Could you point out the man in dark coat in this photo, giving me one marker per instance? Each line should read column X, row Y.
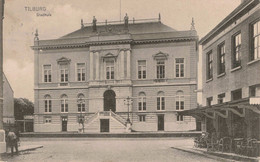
column 12, row 141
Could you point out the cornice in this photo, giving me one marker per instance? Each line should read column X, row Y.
column 97, row 43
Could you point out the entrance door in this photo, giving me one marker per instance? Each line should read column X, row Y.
column 104, row 125
column 110, row 101
column 160, row 122
column 64, row 123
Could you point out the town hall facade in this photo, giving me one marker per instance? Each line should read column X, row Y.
column 115, row 77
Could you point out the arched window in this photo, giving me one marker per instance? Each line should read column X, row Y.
column 160, row 101
column 179, row 100
column 142, row 102
column 47, row 103
column 81, row 103
column 64, row 103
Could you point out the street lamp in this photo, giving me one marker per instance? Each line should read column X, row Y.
column 128, row 101
column 81, row 120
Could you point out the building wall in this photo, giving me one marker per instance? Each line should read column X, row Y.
column 94, row 88
column 247, row 75
column 8, row 107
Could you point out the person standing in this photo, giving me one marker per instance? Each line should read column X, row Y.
column 12, row 141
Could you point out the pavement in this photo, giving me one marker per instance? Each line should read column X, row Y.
column 216, row 154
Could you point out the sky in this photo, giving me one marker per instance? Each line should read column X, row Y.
column 20, row 23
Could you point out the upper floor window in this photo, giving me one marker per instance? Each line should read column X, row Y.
column 141, row 69
column 209, row 101
column 110, row 70
column 64, row 103
column 256, row 41
column 81, row 72
column 81, row 103
column 179, row 101
column 64, row 72
column 209, row 65
column 160, row 101
column 221, row 98
column 236, row 51
column 47, row 73
column 236, row 94
column 47, row 103
column 160, row 69
column 221, row 58
column 179, row 67
column 142, row 102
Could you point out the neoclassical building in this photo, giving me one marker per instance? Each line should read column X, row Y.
column 108, row 74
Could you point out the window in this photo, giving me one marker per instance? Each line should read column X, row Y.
column 47, row 119
column 110, row 74
column 209, row 65
column 64, row 73
column 141, row 69
column 252, row 91
column 47, row 73
column 47, row 103
column 237, row 50
column 160, row 101
column 160, row 69
column 221, row 98
column 141, row 118
column 256, row 41
column 236, row 94
column 179, row 117
column 142, row 102
column 179, row 67
column 81, row 72
column 64, row 103
column 221, row 58
column 209, row 100
column 81, row 103
column 179, row 101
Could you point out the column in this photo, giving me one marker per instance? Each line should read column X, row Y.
column 122, row 65
column 97, row 65
column 91, row 66
column 128, row 64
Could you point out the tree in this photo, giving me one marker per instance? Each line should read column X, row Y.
column 22, row 106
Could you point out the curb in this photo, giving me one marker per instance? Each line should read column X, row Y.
column 28, row 149
column 217, row 155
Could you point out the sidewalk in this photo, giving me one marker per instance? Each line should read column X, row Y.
column 24, row 148
column 216, row 154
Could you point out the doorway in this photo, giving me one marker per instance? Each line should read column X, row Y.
column 160, row 122
column 110, row 101
column 104, row 125
column 64, row 120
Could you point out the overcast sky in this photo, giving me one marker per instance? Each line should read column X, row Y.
column 20, row 25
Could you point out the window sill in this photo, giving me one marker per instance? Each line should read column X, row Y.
column 65, row 112
column 160, row 110
column 235, row 69
column 47, row 112
column 221, row 75
column 253, row 61
column 209, row 80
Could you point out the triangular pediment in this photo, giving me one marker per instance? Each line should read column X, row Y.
column 161, row 55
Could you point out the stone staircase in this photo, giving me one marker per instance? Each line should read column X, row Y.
column 117, row 124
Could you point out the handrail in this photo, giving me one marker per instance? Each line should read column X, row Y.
column 118, row 118
column 92, row 117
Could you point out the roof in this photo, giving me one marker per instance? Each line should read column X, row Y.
column 133, row 28
column 8, row 83
column 238, row 12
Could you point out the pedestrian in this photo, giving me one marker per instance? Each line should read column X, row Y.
column 12, row 141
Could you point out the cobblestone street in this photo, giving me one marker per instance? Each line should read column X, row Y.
column 86, row 149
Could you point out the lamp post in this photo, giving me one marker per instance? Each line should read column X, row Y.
column 81, row 120
column 128, row 101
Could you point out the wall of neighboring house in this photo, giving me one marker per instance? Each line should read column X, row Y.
column 8, row 112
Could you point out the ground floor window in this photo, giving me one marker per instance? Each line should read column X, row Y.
column 179, row 117
column 47, row 120
column 141, row 118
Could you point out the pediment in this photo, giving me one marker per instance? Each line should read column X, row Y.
column 63, row 60
column 160, row 55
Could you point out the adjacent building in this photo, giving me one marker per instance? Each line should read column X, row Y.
column 231, row 80
column 108, row 74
